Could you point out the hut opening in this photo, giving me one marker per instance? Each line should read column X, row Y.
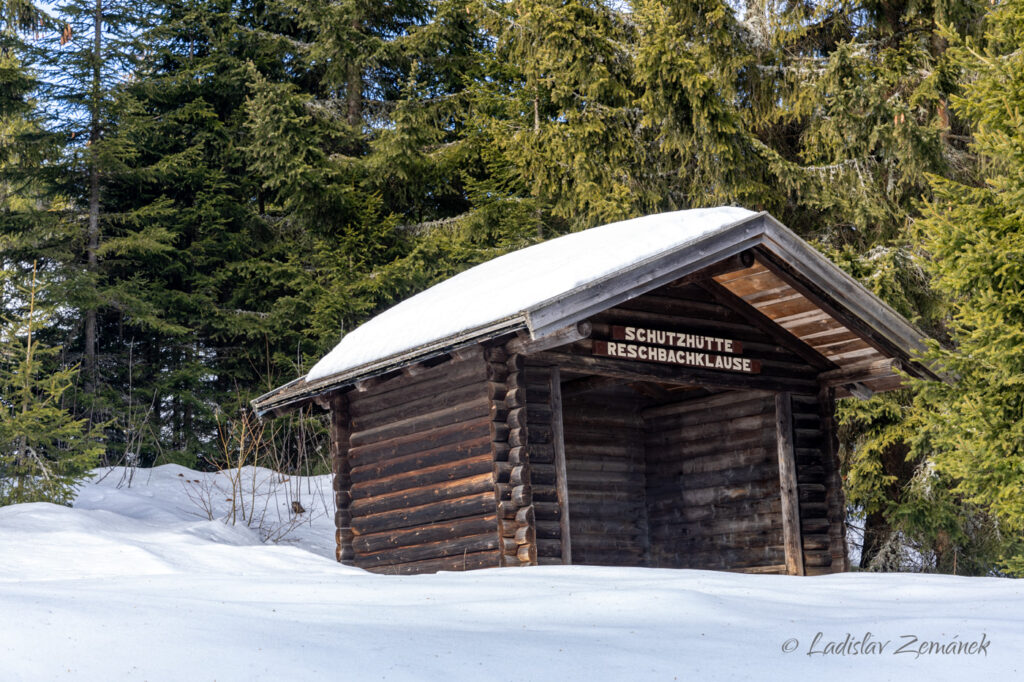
column 658, row 392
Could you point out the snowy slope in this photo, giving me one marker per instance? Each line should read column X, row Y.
column 482, row 295
column 137, row 584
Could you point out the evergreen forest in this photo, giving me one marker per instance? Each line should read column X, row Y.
column 199, row 197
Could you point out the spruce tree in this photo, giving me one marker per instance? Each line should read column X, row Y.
column 973, row 234
column 44, row 450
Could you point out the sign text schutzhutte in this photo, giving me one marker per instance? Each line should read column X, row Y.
column 631, row 343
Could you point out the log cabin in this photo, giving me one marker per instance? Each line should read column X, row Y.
column 655, row 392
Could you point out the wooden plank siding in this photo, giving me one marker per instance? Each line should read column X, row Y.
column 422, row 470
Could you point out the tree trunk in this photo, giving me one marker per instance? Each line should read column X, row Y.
column 93, row 241
column 876, row 532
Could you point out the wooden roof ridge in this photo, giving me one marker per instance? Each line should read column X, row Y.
column 782, row 250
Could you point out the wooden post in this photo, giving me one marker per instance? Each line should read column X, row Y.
column 342, row 467
column 787, row 484
column 561, row 482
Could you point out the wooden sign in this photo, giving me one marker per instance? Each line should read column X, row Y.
column 676, row 348
column 659, row 337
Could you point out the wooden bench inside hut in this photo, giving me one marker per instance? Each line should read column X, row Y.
column 658, row 392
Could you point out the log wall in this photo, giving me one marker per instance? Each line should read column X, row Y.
column 422, row 470
column 713, row 483
column 510, row 432
column 605, row 471
column 543, row 476
column 822, row 509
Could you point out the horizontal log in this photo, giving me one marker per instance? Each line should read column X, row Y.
column 607, row 528
column 414, row 497
column 419, row 442
column 430, row 402
column 605, row 511
column 548, row 549
column 676, row 375
column 420, row 535
column 719, row 494
column 775, row 569
column 462, row 562
column 817, row 558
column 525, row 345
column 764, row 470
column 691, row 433
column 402, row 388
column 759, row 438
column 667, row 510
column 599, row 480
column 548, row 529
column 433, row 550
column 816, row 541
column 719, row 528
column 476, row 409
column 745, row 402
column 732, row 557
column 626, row 452
column 439, row 473
column 433, row 512
column 541, row 453
column 814, row 526
column 445, row 454
column 611, row 465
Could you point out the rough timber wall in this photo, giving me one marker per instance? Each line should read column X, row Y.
column 822, row 509
column 543, row 478
column 604, row 459
column 713, row 483
column 422, row 471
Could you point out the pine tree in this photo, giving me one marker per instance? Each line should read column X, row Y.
column 44, row 450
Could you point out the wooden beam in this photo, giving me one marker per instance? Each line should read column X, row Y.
column 787, row 484
column 561, row 481
column 864, row 371
column 587, row 384
column 673, row 374
column 562, row 337
column 780, row 335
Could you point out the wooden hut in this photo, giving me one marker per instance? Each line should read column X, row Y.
column 656, row 392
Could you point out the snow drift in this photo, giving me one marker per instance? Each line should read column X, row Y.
column 138, row 583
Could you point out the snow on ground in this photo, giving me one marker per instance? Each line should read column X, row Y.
column 137, row 583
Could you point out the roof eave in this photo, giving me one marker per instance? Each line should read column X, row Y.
column 266, row 404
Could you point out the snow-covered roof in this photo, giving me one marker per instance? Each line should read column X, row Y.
column 551, row 286
column 503, row 292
